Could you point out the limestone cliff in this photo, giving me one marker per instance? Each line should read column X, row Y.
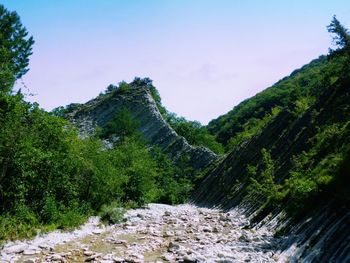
column 143, row 108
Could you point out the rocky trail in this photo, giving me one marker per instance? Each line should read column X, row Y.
column 156, row 233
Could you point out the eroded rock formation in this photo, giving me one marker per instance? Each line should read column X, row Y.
column 143, row 108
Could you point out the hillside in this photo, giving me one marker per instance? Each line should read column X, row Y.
column 299, row 89
column 290, row 169
column 136, row 99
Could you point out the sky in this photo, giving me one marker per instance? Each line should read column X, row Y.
column 204, row 56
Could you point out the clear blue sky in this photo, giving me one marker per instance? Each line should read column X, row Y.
column 204, row 56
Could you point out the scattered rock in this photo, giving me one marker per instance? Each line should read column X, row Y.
column 169, row 257
column 56, row 257
column 15, row 249
column 168, row 234
column 182, row 233
column 118, row 260
column 189, row 259
column 29, row 252
column 172, row 247
column 167, row 213
column 140, row 216
column 97, row 231
column 207, row 229
column 88, row 253
column 244, row 238
column 120, row 242
column 93, row 257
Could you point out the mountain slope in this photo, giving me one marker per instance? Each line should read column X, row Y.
column 293, row 174
column 242, row 121
column 137, row 99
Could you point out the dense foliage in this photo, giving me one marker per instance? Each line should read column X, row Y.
column 320, row 173
column 296, row 92
column 288, row 146
column 50, row 177
column 194, row 132
column 303, row 83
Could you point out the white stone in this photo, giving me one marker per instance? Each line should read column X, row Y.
column 28, row 252
column 97, row 231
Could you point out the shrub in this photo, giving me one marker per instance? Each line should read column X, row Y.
column 123, row 87
column 112, row 213
column 264, row 184
column 71, row 218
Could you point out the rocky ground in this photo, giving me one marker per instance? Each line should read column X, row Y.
column 157, row 233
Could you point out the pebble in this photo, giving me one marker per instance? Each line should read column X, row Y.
column 56, row 257
column 29, row 252
column 173, row 247
column 97, row 231
column 88, row 253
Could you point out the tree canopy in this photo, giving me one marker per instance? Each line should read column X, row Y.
column 15, row 48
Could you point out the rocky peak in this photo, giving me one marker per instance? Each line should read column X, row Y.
column 137, row 98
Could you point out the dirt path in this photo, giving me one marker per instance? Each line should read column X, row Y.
column 158, row 233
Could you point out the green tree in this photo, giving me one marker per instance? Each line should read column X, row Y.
column 341, row 36
column 15, row 48
column 265, row 184
column 121, row 125
column 6, row 76
column 193, row 132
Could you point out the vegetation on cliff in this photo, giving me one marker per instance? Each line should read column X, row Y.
column 193, row 131
column 310, row 108
column 295, row 92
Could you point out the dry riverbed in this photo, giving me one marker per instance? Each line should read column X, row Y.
column 157, row 233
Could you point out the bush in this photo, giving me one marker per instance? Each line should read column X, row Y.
column 264, row 184
column 13, row 228
column 71, row 218
column 49, row 212
column 193, row 132
column 123, row 87
column 121, row 125
column 112, row 213
column 251, row 128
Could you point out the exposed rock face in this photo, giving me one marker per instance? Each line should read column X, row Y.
column 139, row 101
column 320, row 235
